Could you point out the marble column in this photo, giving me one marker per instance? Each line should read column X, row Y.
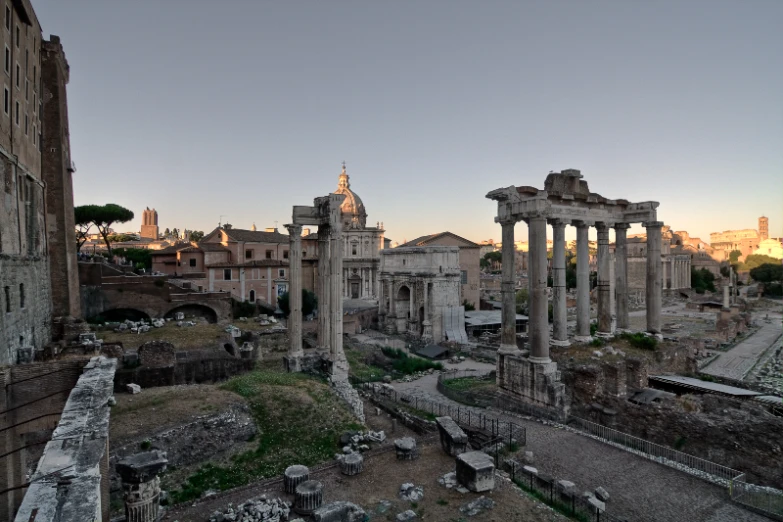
column 582, row 282
column 538, row 322
column 295, row 351
column 621, row 273
column 382, row 304
column 336, row 304
column 654, row 290
column 324, row 288
column 508, row 336
column 726, row 290
column 559, row 316
column 604, row 282
column 426, row 322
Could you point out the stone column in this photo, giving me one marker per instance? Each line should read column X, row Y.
column 604, row 282
column 621, row 273
column 559, row 317
column 582, row 282
column 538, row 322
column 508, row 337
column 141, row 485
column 295, row 351
column 726, row 303
column 391, row 314
column 654, row 291
column 323, row 289
column 426, row 322
column 339, row 364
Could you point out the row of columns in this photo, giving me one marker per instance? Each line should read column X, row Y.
column 680, row 273
column 367, row 286
column 537, row 273
column 388, row 314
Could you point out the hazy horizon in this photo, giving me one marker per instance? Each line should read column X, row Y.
column 245, row 110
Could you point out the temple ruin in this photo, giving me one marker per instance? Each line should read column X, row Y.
column 566, row 200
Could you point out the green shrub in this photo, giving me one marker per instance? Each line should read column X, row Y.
column 593, row 328
column 145, row 445
column 639, row 340
column 404, row 363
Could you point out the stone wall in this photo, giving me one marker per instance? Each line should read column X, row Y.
column 190, row 368
column 25, row 307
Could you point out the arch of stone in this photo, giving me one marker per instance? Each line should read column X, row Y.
column 567, row 200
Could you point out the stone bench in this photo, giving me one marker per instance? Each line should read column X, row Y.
column 476, row 471
column 453, row 440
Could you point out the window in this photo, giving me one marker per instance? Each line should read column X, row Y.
column 252, row 296
column 17, row 114
column 6, row 101
column 26, row 61
column 353, row 250
column 282, row 272
column 8, row 299
column 269, row 254
column 18, row 74
column 35, row 136
column 7, row 18
column 26, row 125
column 35, row 103
column 304, row 253
column 7, row 60
column 227, row 274
column 18, row 36
column 285, row 254
column 248, row 254
column 27, row 90
column 193, row 262
column 464, row 276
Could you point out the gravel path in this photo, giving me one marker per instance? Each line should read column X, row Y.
column 737, row 362
column 640, row 490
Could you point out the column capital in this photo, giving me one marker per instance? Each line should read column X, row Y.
column 294, row 231
column 622, row 226
column 507, row 221
column 603, row 226
column 582, row 223
column 557, row 222
column 652, row 224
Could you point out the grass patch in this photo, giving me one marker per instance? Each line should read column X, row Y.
column 406, row 364
column 469, row 383
column 639, row 340
column 299, row 421
column 360, row 369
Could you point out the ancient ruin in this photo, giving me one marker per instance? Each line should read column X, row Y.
column 567, row 200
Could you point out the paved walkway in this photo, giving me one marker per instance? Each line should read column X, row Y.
column 738, row 361
column 640, row 490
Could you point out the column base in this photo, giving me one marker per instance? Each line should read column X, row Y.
column 509, row 349
column 583, row 338
column 555, row 342
column 293, row 363
column 604, row 335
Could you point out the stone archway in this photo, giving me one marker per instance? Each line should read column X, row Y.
column 251, row 296
column 194, row 310
column 402, row 303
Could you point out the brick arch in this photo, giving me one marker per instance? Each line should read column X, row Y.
column 122, row 313
column 194, row 309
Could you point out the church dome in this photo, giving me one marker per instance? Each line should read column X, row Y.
column 354, row 215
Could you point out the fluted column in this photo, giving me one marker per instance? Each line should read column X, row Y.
column 582, row 282
column 559, row 317
column 604, row 281
column 336, row 304
column 654, row 291
column 295, row 292
column 621, row 273
column 508, row 336
column 538, row 322
column 324, row 288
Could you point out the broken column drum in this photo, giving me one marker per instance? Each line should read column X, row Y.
column 476, row 471
column 566, row 199
column 352, row 464
column 141, row 485
column 406, row 448
column 293, row 476
column 308, row 497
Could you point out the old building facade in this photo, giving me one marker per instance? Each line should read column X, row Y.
column 149, row 224
column 746, row 240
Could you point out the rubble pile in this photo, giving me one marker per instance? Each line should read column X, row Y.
column 260, row 509
column 411, row 492
column 353, row 441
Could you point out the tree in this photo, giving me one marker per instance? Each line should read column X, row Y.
column 724, row 269
column 196, row 235
column 734, row 256
column 83, row 215
column 702, row 280
column 309, row 302
column 767, row 273
column 140, row 257
column 122, row 238
column 167, row 232
column 756, row 260
column 105, row 216
column 175, row 232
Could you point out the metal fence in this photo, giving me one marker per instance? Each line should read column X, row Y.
column 767, row 501
column 567, row 501
column 500, row 430
column 670, row 457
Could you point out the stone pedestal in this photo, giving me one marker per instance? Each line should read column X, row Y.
column 309, row 496
column 293, row 476
column 537, row 384
column 141, row 485
column 352, row 464
column 406, row 448
column 476, row 471
column 453, row 440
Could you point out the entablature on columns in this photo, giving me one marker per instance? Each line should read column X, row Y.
column 324, row 212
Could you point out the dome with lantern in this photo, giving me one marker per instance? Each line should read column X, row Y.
column 354, row 215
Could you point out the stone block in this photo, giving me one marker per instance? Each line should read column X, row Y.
column 133, row 389
column 453, row 440
column 406, row 448
column 601, row 494
column 406, row 515
column 476, row 471
column 339, row 512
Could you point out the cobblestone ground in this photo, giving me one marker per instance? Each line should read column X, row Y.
column 640, row 489
column 738, row 361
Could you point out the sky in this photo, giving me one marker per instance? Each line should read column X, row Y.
column 239, row 109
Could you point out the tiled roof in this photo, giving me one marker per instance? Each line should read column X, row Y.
column 212, row 247
column 255, row 236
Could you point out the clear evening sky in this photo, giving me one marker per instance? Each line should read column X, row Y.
column 244, row 108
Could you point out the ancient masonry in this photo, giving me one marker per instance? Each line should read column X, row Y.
column 149, row 224
column 326, row 214
column 566, row 200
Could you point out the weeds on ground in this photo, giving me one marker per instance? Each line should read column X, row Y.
column 556, row 504
column 468, row 383
column 405, row 364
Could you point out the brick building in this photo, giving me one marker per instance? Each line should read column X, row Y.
column 37, row 259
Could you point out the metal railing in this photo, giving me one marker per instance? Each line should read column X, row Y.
column 505, row 431
column 767, row 501
column 717, row 473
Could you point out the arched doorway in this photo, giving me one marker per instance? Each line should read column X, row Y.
column 403, row 302
column 252, row 296
column 421, row 321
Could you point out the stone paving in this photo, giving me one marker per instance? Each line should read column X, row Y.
column 738, row 361
column 640, row 489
